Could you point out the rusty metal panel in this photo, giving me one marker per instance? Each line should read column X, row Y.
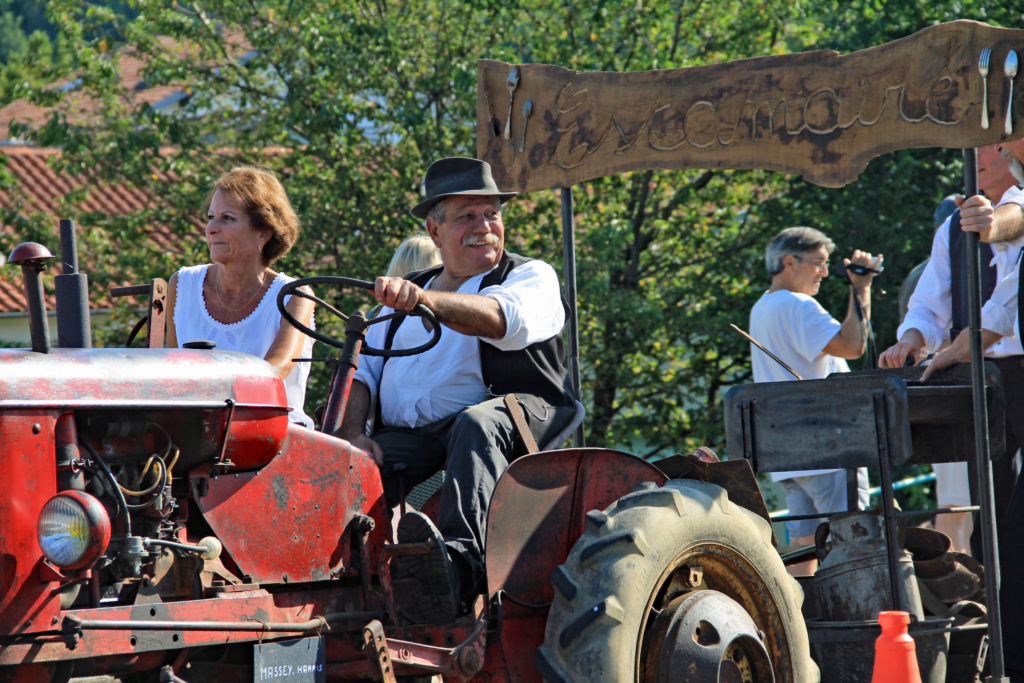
column 510, row 657
column 157, row 323
column 28, row 463
column 815, row 424
column 285, row 523
column 538, row 512
column 237, row 606
column 735, row 476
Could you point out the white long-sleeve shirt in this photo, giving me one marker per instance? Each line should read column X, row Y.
column 999, row 314
column 930, row 308
column 421, row 389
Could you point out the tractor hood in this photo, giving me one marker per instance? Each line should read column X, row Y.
column 215, row 405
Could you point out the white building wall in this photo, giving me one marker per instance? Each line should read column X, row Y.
column 14, row 329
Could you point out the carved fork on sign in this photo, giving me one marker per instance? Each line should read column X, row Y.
column 986, row 54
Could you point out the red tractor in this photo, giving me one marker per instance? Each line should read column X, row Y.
column 162, row 514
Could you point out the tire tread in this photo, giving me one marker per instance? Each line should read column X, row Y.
column 617, row 562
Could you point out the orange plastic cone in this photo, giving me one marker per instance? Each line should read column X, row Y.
column 895, row 654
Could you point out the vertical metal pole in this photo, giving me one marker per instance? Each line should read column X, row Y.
column 981, row 461
column 72, row 291
column 571, row 325
column 892, row 542
column 39, row 327
column 852, row 490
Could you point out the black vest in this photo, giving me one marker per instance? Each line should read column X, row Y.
column 958, row 269
column 538, row 370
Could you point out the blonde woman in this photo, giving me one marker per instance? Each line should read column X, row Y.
column 416, row 252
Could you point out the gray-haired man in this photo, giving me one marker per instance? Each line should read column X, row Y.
column 502, row 316
column 1001, row 316
column 790, row 323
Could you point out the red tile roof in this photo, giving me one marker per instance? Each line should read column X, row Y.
column 42, row 190
column 12, row 297
column 78, row 108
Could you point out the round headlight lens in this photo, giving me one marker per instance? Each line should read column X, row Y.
column 73, row 529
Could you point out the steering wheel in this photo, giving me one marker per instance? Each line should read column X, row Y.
column 292, row 289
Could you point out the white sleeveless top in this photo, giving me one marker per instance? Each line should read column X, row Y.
column 252, row 335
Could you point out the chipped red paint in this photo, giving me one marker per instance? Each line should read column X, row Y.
column 290, row 506
column 76, row 376
column 26, row 457
column 240, row 606
column 187, row 390
column 285, row 523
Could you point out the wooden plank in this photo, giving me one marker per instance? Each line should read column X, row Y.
column 818, row 114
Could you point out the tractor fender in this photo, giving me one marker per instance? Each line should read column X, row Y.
column 537, row 512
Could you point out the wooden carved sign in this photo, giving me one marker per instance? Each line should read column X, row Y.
column 818, row 114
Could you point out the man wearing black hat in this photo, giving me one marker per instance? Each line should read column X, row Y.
column 502, row 317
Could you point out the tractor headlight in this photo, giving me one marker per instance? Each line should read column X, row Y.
column 73, row 529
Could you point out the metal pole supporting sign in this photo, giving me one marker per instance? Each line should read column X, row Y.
column 571, row 325
column 982, row 463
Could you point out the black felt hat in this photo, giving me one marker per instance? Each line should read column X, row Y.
column 457, row 176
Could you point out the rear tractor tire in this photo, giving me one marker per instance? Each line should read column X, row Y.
column 675, row 583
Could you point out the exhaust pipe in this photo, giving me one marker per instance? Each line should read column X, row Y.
column 74, row 330
column 32, row 258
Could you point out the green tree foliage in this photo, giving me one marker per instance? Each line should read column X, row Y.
column 25, row 36
column 20, row 19
column 349, row 100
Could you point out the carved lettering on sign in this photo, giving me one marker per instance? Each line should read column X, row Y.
column 818, row 114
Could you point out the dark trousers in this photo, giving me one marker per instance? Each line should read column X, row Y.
column 1009, row 499
column 1011, row 593
column 475, row 446
column 1004, row 468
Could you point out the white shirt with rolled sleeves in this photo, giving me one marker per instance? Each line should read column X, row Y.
column 999, row 314
column 930, row 308
column 421, row 389
column 930, row 311
column 797, row 329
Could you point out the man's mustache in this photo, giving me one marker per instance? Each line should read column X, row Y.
column 480, row 240
column 1016, row 167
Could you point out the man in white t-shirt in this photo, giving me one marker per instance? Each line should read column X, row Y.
column 502, row 317
column 790, row 323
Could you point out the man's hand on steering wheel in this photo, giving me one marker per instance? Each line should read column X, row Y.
column 398, row 294
column 394, row 291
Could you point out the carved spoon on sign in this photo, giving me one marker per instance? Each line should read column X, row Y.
column 1011, row 70
column 527, row 110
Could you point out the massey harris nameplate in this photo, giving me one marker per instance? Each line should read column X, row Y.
column 818, row 114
